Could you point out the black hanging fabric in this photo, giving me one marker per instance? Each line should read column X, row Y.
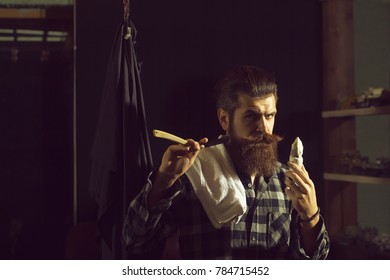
column 121, row 155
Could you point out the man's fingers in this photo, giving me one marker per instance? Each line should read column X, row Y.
column 190, row 149
column 193, row 145
column 304, row 170
column 293, row 187
column 296, row 183
column 300, row 170
column 179, row 148
column 290, row 193
column 203, row 141
column 290, row 185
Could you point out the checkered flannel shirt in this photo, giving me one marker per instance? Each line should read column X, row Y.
column 268, row 229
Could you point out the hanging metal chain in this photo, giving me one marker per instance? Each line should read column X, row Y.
column 126, row 9
column 126, row 14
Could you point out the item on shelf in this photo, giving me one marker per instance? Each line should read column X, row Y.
column 372, row 97
column 382, row 241
column 352, row 162
column 385, row 162
column 380, row 167
column 348, row 103
column 368, row 238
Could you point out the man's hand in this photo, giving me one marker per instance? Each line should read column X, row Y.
column 176, row 160
column 301, row 190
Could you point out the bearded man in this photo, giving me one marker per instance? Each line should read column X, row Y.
column 233, row 200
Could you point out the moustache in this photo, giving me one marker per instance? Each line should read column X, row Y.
column 259, row 139
column 267, row 138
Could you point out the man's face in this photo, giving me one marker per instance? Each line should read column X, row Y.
column 253, row 116
column 252, row 145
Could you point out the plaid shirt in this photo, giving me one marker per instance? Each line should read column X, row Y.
column 268, row 229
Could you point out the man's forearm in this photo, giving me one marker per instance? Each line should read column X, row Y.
column 160, row 187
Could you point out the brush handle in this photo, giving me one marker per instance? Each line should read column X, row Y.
column 168, row 136
column 296, row 153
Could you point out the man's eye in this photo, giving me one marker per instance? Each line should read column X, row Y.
column 250, row 117
column 269, row 116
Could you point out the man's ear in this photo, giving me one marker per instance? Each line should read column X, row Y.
column 223, row 118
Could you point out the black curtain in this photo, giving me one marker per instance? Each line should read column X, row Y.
column 121, row 155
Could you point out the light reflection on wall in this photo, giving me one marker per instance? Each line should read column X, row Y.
column 36, row 2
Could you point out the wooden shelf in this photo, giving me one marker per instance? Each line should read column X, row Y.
column 356, row 178
column 356, row 112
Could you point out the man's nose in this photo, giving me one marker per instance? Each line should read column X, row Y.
column 262, row 125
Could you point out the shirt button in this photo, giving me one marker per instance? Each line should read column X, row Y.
column 249, row 185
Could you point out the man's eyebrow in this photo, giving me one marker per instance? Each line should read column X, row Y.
column 257, row 111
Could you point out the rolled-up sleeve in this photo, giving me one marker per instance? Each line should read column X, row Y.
column 322, row 242
column 143, row 226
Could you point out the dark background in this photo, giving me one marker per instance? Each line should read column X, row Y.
column 185, row 46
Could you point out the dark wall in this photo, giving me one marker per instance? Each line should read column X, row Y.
column 36, row 153
column 185, row 46
column 96, row 24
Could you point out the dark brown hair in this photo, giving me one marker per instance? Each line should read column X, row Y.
column 246, row 79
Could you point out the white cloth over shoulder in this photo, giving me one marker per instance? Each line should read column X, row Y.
column 218, row 186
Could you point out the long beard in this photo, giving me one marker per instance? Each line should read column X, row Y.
column 254, row 157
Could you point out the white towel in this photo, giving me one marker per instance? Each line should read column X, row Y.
column 218, row 186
